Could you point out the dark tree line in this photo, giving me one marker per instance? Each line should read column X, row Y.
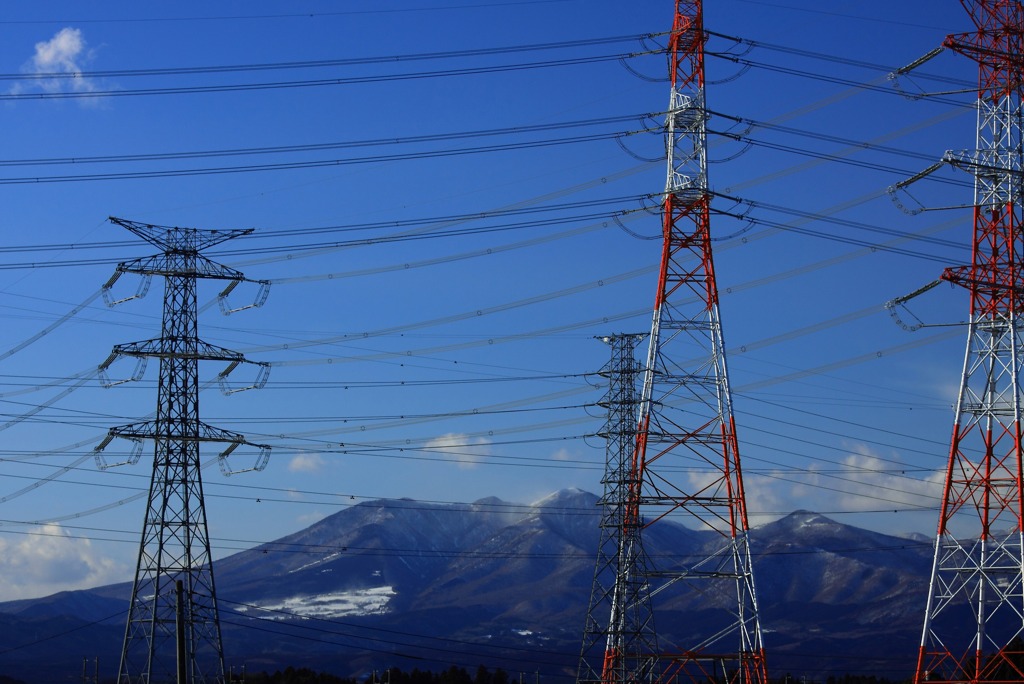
column 453, row 675
column 840, row 679
column 859, row 679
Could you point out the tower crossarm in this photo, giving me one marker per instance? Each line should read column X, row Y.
column 154, row 429
column 173, row 348
column 964, row 277
column 982, row 164
column 966, row 44
column 182, row 264
column 179, row 240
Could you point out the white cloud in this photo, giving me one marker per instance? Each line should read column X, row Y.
column 310, row 518
column 306, row 463
column 564, row 454
column 860, row 482
column 61, row 53
column 775, row 495
column 873, row 482
column 465, row 450
column 48, row 560
column 66, row 54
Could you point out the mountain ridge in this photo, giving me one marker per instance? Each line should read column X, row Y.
column 510, row 579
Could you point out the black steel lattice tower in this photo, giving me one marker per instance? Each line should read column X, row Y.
column 686, row 462
column 175, row 544
column 619, row 620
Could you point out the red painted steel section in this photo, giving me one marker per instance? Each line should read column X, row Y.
column 983, row 474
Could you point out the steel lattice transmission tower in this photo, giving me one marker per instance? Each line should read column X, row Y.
column 974, row 619
column 619, row 639
column 686, row 463
column 173, row 628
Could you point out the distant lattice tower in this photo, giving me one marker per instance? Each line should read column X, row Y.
column 974, row 619
column 619, row 639
column 686, row 463
column 173, row 629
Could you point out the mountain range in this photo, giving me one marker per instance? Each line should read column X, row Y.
column 425, row 585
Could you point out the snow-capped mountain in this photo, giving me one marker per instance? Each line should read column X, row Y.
column 416, row 584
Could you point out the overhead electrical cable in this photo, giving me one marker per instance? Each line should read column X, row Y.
column 23, row 419
column 50, row 637
column 77, row 418
column 845, row 363
column 836, row 59
column 871, row 246
column 836, row 158
column 452, row 318
column 876, row 85
column 290, row 250
column 860, row 225
column 904, row 491
column 736, row 288
column 306, row 16
column 322, row 63
column 873, row 427
column 528, row 224
column 343, row 500
column 831, row 447
column 81, row 380
column 350, row 337
column 854, row 148
column 312, row 164
column 316, row 82
column 902, row 505
column 50, row 328
column 314, row 147
column 848, row 142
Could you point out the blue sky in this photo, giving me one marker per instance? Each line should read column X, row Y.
column 435, row 339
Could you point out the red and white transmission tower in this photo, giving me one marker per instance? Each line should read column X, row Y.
column 974, row 619
column 686, row 463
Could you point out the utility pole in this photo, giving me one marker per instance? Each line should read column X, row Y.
column 685, row 421
column 174, row 553
column 95, row 677
column 974, row 616
column 619, row 640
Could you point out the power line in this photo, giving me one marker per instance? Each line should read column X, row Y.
column 321, row 63
column 875, row 85
column 315, row 83
column 316, row 147
column 275, row 17
column 837, row 59
column 309, row 164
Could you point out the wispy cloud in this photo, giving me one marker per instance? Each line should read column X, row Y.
column 310, row 518
column 306, row 463
column 58, row 64
column 564, row 454
column 465, row 450
column 872, row 480
column 860, row 482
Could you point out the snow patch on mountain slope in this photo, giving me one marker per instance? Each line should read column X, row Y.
column 340, row 604
column 326, row 559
